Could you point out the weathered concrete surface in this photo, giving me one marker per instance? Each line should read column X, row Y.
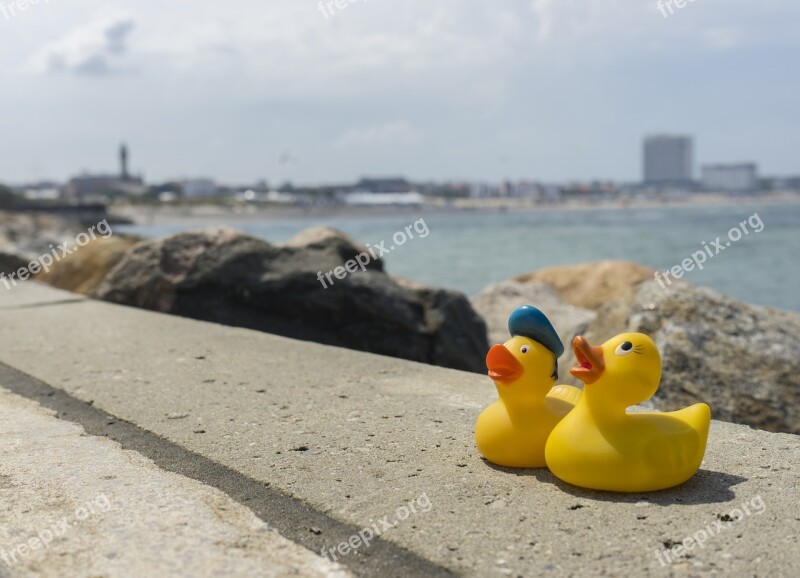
column 357, row 436
column 26, row 294
column 88, row 508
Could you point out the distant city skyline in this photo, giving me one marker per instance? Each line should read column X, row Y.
column 530, row 89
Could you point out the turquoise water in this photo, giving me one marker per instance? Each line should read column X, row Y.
column 469, row 250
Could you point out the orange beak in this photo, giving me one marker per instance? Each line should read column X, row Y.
column 590, row 359
column 503, row 367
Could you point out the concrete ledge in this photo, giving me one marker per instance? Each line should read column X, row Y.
column 75, row 505
column 358, row 436
column 29, row 294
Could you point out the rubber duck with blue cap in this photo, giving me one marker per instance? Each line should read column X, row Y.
column 513, row 431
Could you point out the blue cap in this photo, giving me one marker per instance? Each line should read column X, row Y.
column 529, row 322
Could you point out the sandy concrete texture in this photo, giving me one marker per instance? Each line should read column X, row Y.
column 78, row 505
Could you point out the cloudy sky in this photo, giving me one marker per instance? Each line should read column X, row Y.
column 430, row 89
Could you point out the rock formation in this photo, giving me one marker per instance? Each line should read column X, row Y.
column 227, row 277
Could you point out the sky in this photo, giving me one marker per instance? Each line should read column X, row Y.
column 242, row 90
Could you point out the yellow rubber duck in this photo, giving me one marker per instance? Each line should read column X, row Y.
column 512, row 431
column 601, row 446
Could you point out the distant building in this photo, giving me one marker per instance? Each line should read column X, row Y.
column 390, row 185
column 43, row 191
column 480, row 190
column 384, row 199
column 740, row 177
column 198, row 188
column 88, row 185
column 783, row 183
column 668, row 160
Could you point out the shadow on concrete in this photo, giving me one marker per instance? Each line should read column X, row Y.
column 705, row 487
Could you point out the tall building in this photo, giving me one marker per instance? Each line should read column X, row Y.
column 668, row 159
column 123, row 161
column 741, row 177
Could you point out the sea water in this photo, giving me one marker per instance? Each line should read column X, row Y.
column 468, row 250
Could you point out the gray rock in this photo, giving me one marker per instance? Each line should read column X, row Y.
column 328, row 240
column 496, row 302
column 591, row 285
column 10, row 262
column 24, row 237
column 224, row 276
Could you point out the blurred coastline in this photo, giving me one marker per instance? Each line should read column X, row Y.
column 204, row 212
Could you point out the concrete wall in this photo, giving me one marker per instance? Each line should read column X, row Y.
column 323, row 443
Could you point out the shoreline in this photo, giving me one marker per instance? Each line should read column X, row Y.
column 200, row 213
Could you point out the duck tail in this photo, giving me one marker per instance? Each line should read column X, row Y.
column 561, row 399
column 699, row 416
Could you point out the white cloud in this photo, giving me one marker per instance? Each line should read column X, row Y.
column 466, row 81
column 544, row 13
column 95, row 49
column 391, row 133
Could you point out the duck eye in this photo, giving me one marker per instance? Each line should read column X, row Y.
column 524, row 349
column 624, row 348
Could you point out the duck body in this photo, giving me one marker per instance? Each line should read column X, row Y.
column 638, row 452
column 512, row 431
column 600, row 446
column 516, row 438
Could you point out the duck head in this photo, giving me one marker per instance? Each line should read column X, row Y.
column 525, row 367
column 521, row 367
column 624, row 371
